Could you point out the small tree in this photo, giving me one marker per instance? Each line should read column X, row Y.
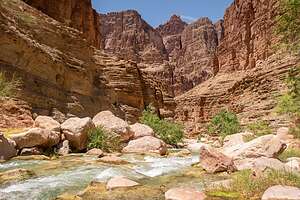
column 224, row 123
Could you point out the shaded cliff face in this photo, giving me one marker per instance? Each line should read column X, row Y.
column 129, row 36
column 73, row 13
column 60, row 70
column 248, row 34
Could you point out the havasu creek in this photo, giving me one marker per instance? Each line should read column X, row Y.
column 109, row 106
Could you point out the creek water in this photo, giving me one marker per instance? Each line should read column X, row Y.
column 73, row 173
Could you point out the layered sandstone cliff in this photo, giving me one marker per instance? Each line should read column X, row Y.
column 73, row 13
column 61, row 71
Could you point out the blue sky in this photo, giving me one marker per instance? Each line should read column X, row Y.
column 156, row 12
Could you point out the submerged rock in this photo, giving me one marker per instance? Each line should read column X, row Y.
column 280, row 192
column 184, row 194
column 113, row 160
column 15, row 175
column 213, row 161
column 7, row 148
column 147, row 144
column 76, row 131
column 36, row 137
column 110, row 122
column 120, row 182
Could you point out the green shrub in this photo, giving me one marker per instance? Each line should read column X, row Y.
column 104, row 140
column 171, row 133
column 245, row 186
column 8, row 87
column 289, row 153
column 260, row 128
column 224, row 123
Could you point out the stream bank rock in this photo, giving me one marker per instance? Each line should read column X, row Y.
column 111, row 123
column 280, row 192
column 76, row 131
column 141, row 130
column 120, row 182
column 184, row 194
column 46, row 122
column 213, row 161
column 31, row 151
column 147, row 144
column 64, row 148
column 7, row 148
column 95, row 152
column 36, row 137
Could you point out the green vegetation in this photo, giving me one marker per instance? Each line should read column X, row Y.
column 224, row 123
column 260, row 128
column 101, row 139
column 289, row 153
column 245, row 186
column 170, row 132
column 8, row 87
column 288, row 24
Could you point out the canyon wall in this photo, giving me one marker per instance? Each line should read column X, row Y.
column 61, row 72
column 73, row 13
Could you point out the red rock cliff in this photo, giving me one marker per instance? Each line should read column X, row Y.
column 78, row 14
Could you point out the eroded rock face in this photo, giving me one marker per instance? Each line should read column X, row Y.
column 128, row 35
column 73, row 13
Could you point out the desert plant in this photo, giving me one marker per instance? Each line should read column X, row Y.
column 170, row 132
column 101, row 139
column 8, row 87
column 224, row 123
column 245, row 186
column 260, row 128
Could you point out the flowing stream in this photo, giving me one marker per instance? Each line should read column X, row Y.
column 73, row 173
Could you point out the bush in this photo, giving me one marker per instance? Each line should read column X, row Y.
column 245, row 186
column 289, row 153
column 224, row 123
column 8, row 88
column 260, row 128
column 104, row 140
column 171, row 133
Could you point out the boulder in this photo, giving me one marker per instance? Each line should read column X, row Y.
column 235, row 139
column 95, row 152
column 260, row 164
column 64, row 148
column 113, row 160
column 293, row 164
column 141, row 130
column 36, row 137
column 195, row 147
column 280, row 192
column 46, row 122
column 111, row 123
column 7, row 148
column 213, row 161
column 184, row 194
column 120, row 182
column 31, row 151
column 147, row 144
column 265, row 146
column 76, row 131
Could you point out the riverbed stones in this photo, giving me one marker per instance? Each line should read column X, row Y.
column 15, row 175
column 46, row 122
column 141, row 130
column 111, row 123
column 113, row 160
column 120, row 182
column 147, row 144
column 76, row 131
column 31, row 151
column 280, row 192
column 184, row 194
column 7, row 148
column 95, row 152
column 36, row 137
column 213, row 161
column 265, row 146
